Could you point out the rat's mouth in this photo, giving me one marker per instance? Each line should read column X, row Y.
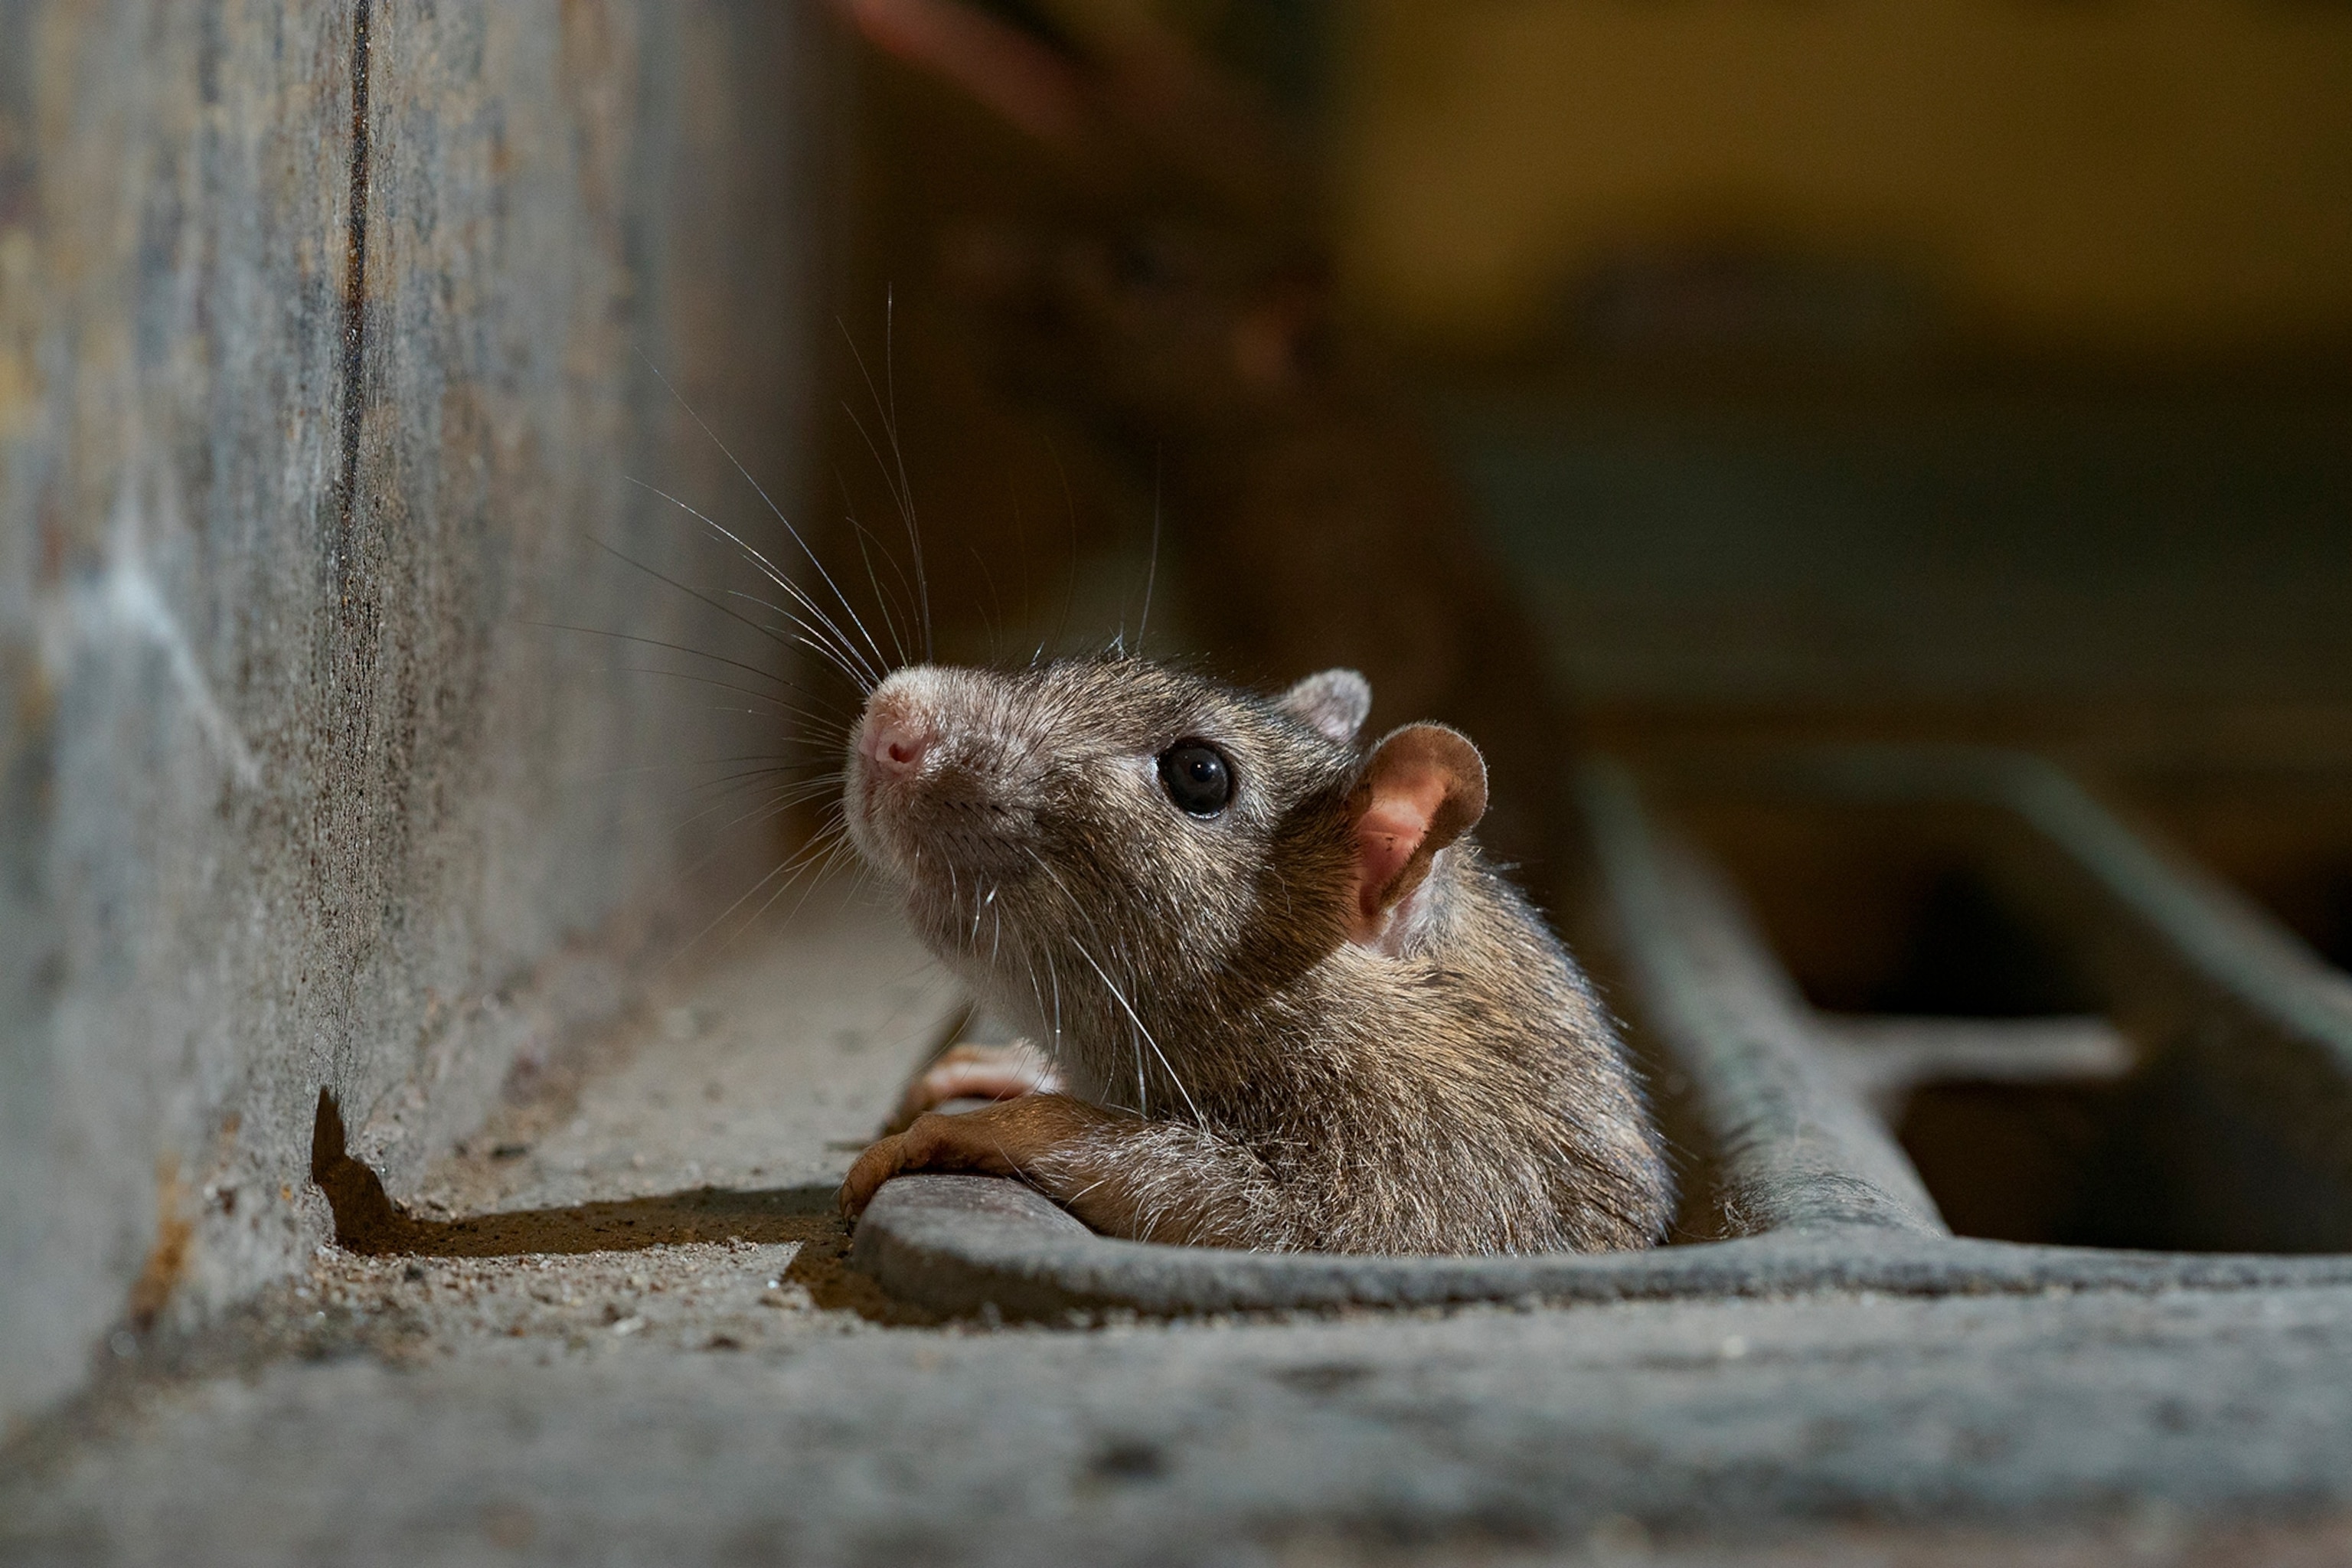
column 936, row 841
column 950, row 899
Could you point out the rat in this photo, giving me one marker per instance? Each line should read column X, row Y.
column 1272, row 996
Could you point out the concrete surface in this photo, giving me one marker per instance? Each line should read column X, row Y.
column 729, row 1395
column 319, row 379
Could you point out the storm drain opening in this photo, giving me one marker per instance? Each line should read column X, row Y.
column 2047, row 1081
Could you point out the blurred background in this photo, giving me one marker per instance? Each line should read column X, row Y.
column 1662, row 378
column 1966, row 364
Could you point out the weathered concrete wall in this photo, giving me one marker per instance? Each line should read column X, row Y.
column 319, row 379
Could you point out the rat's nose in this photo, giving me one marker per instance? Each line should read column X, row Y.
column 894, row 742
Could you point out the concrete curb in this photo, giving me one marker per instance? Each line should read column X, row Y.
column 968, row 1243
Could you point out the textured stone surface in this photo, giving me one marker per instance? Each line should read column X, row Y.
column 1213, row 1442
column 726, row 1395
column 318, row 383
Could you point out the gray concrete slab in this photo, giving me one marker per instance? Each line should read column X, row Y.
column 576, row 1436
column 727, row 1394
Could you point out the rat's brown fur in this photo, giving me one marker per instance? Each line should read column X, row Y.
column 1239, row 1071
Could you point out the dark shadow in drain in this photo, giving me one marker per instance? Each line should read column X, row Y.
column 2282, row 836
column 1947, row 914
column 367, row 1221
column 2167, row 1160
column 1966, row 955
column 2071, row 1164
column 1896, row 910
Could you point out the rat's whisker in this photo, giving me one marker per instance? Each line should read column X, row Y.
column 769, row 808
column 847, row 651
column 813, row 784
column 1053, row 974
column 885, row 603
column 758, row 490
column 1070, row 514
column 815, row 638
column 805, row 627
column 1152, row 571
column 833, row 729
column 815, row 874
column 907, row 514
column 723, row 609
column 693, row 868
column 790, row 870
column 692, row 652
column 632, row 768
column 901, row 489
column 1129, row 1007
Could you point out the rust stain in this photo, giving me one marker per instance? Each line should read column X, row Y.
column 167, row 1261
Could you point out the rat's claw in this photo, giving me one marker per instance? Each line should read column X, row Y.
column 932, row 1141
column 882, row 1160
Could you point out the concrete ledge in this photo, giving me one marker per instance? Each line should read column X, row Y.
column 966, row 1243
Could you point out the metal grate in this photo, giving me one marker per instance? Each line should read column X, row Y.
column 2012, row 1016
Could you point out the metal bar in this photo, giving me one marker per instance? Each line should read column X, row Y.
column 1799, row 1148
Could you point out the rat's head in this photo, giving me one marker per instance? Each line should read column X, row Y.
column 1124, row 817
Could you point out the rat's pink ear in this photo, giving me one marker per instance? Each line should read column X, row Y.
column 1335, row 703
column 1422, row 788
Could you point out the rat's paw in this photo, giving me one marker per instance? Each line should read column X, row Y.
column 1007, row 1140
column 972, row 1071
column 932, row 1143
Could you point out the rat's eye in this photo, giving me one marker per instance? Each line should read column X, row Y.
column 1197, row 777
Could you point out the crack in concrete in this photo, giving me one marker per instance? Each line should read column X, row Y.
column 354, row 298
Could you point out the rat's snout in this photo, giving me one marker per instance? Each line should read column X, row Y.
column 894, row 739
column 926, row 794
